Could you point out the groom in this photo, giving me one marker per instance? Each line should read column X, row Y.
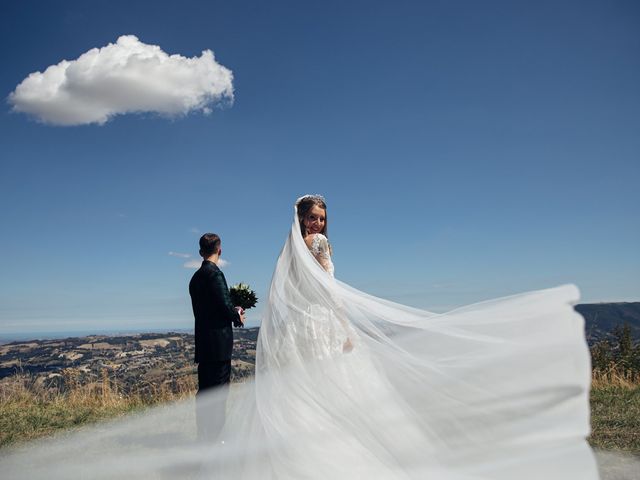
column 214, row 316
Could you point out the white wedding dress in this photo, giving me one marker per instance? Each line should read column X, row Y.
column 350, row 386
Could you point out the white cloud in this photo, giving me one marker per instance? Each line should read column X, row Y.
column 180, row 255
column 126, row 77
column 223, row 263
column 194, row 230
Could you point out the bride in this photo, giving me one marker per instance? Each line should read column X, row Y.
column 352, row 386
column 360, row 387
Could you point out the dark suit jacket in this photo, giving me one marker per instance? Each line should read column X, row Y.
column 213, row 312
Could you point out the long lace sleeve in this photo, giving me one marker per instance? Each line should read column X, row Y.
column 320, row 249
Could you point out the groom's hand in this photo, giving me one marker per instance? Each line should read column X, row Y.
column 240, row 323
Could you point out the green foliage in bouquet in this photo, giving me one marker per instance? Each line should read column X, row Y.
column 243, row 296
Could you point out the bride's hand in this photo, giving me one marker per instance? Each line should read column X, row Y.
column 347, row 346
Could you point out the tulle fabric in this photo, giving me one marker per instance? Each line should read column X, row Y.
column 348, row 385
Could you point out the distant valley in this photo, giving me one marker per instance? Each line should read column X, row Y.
column 601, row 319
column 133, row 362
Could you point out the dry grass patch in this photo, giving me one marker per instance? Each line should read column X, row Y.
column 28, row 410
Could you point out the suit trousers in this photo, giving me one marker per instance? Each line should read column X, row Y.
column 213, row 379
column 213, row 374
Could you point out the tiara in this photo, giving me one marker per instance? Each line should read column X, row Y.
column 310, row 197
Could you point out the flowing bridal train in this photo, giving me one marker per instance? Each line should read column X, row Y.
column 348, row 385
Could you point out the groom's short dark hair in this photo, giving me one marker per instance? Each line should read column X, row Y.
column 209, row 244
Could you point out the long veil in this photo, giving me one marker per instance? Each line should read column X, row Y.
column 348, row 385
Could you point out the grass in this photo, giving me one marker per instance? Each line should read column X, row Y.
column 615, row 412
column 29, row 410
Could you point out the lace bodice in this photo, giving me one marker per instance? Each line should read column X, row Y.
column 320, row 249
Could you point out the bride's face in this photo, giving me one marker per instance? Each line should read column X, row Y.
column 314, row 220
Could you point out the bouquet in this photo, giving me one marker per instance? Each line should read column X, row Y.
column 242, row 296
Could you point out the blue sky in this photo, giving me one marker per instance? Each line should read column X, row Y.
column 467, row 150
